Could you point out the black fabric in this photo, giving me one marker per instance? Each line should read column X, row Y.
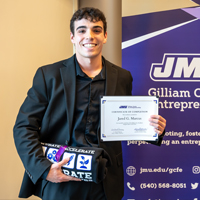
column 86, row 163
column 73, row 191
column 87, row 107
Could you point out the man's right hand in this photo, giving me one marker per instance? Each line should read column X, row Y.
column 56, row 175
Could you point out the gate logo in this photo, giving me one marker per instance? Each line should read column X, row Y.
column 84, row 162
column 71, row 161
column 51, row 155
column 177, row 68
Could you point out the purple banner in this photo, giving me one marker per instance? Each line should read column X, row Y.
column 196, row 1
column 162, row 51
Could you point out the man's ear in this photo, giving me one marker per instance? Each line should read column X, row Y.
column 105, row 37
column 72, row 37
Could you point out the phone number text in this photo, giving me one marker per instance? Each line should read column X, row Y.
column 162, row 185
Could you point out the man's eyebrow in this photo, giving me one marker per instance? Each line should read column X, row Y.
column 92, row 27
column 81, row 27
column 97, row 27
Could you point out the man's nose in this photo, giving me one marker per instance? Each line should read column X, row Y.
column 90, row 34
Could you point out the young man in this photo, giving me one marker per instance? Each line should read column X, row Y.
column 62, row 107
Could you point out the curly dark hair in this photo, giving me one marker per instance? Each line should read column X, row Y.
column 89, row 13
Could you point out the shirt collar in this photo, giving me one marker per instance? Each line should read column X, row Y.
column 79, row 71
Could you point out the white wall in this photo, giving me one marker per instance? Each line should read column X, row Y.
column 32, row 33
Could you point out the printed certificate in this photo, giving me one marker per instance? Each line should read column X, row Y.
column 126, row 118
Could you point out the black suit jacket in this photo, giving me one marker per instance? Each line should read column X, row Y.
column 46, row 116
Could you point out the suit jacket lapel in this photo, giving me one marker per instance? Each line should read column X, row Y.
column 68, row 74
column 111, row 79
column 111, row 83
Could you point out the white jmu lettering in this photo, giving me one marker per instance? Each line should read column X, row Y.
column 178, row 67
column 183, row 67
column 167, row 70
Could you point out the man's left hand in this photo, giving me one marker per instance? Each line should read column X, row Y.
column 158, row 123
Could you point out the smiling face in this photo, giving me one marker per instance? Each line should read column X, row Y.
column 88, row 38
